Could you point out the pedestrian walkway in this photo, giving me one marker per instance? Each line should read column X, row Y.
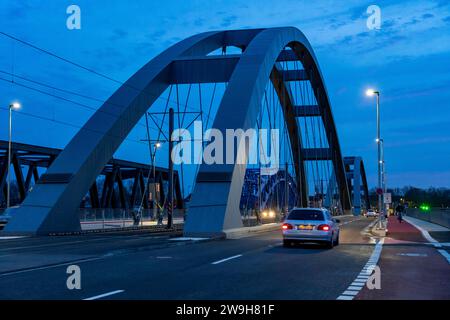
column 430, row 227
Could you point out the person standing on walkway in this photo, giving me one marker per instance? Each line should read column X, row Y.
column 399, row 211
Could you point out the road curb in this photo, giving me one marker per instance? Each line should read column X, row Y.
column 377, row 232
column 238, row 233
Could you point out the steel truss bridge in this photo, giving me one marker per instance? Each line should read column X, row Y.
column 26, row 160
column 268, row 78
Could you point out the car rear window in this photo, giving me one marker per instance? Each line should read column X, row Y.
column 305, row 215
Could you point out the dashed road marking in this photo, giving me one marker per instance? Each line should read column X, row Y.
column 188, row 239
column 104, row 295
column 226, row 259
column 360, row 281
column 12, row 237
column 413, row 254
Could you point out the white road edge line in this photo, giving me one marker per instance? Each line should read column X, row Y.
column 10, row 273
column 226, row 259
column 425, row 234
column 360, row 281
column 104, row 295
column 430, row 239
column 445, row 254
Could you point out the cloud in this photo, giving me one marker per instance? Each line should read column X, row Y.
column 118, row 34
column 228, row 21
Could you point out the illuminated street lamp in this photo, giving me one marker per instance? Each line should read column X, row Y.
column 12, row 106
column 370, row 93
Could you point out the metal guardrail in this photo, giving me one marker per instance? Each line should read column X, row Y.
column 435, row 215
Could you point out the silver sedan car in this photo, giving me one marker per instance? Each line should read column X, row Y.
column 310, row 225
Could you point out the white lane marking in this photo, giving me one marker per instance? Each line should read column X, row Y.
column 187, row 239
column 413, row 254
column 51, row 244
column 445, row 254
column 164, row 257
column 12, row 237
column 425, row 234
column 357, row 284
column 357, row 288
column 361, row 279
column 49, row 267
column 445, row 244
column 226, row 259
column 430, row 239
column 345, row 298
column 104, row 295
column 62, row 243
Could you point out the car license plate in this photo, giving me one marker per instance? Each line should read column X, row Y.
column 304, row 227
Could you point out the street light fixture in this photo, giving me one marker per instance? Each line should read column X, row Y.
column 13, row 106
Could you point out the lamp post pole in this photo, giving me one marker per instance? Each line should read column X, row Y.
column 12, row 106
column 380, row 200
column 171, row 174
column 9, row 159
column 380, row 158
column 154, row 181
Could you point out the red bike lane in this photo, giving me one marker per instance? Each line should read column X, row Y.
column 410, row 268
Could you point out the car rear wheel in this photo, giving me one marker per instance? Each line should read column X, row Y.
column 330, row 244
column 286, row 243
column 336, row 243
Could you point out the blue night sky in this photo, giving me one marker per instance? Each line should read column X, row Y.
column 408, row 60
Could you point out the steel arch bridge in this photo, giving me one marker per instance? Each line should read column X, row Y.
column 51, row 206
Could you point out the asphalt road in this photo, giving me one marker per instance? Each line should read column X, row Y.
column 142, row 266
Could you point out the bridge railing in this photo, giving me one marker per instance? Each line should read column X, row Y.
column 108, row 218
column 440, row 216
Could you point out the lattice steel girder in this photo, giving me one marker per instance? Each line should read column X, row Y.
column 358, row 174
column 307, row 111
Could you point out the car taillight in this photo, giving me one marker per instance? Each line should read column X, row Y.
column 287, row 226
column 323, row 227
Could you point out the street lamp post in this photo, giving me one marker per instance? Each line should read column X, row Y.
column 371, row 92
column 12, row 106
column 383, row 176
column 156, row 146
